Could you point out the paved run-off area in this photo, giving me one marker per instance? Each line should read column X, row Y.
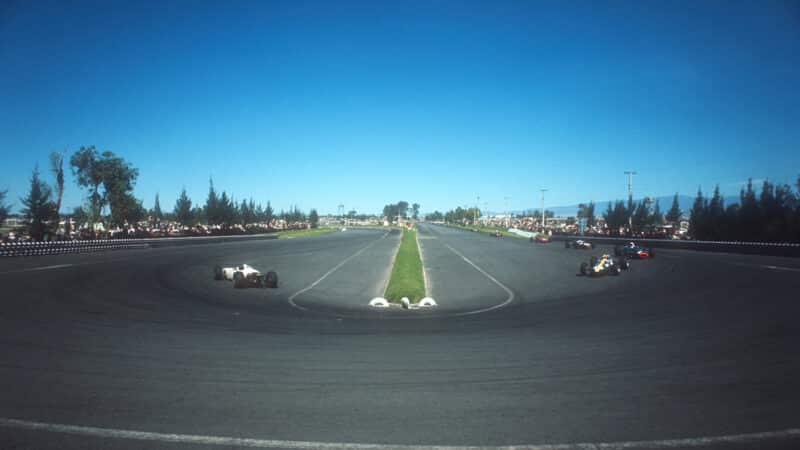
column 687, row 345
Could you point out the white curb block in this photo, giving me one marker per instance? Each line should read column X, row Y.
column 378, row 302
column 405, row 303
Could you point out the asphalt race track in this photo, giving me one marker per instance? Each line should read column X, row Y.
column 143, row 349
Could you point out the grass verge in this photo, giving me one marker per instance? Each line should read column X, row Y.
column 483, row 229
column 407, row 279
column 307, row 232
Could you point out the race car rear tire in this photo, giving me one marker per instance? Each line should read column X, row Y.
column 614, row 270
column 271, row 279
column 239, row 281
column 584, row 268
column 217, row 272
column 593, row 261
column 591, row 246
column 623, row 263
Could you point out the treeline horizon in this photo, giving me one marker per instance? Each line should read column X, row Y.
column 108, row 181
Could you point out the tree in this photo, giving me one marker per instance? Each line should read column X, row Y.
column 227, row 213
column 57, row 167
column 674, row 214
column 656, row 218
column 117, row 178
column 749, row 221
column 89, row 174
column 313, row 218
column 697, row 217
column 616, row 217
column 415, row 211
column 640, row 215
column 402, row 208
column 38, row 207
column 157, row 214
column 586, row 211
column 127, row 209
column 268, row 214
column 3, row 207
column 212, row 205
column 435, row 216
column 183, row 209
column 79, row 216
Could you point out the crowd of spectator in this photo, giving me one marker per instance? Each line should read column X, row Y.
column 70, row 230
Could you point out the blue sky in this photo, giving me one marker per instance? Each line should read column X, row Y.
column 366, row 103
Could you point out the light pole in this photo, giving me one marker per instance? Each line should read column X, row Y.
column 630, row 174
column 543, row 220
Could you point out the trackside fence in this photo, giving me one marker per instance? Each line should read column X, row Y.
column 754, row 248
column 99, row 245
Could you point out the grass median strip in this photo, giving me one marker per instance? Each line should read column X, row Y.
column 306, row 232
column 407, row 279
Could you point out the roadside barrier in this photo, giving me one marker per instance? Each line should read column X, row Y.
column 12, row 249
column 753, row 248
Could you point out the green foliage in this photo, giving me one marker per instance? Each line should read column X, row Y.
column 587, row 211
column 674, row 214
column 392, row 211
column 57, row 167
column 407, row 279
column 38, row 209
column 117, row 178
column 313, row 218
column 183, row 209
column 3, row 207
column 461, row 215
column 213, row 216
column 157, row 214
column 415, row 210
column 616, row 217
column 435, row 216
column 771, row 216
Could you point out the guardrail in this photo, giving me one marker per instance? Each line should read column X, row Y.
column 753, row 248
column 96, row 245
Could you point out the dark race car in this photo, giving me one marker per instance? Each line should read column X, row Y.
column 604, row 265
column 540, row 239
column 631, row 250
column 579, row 244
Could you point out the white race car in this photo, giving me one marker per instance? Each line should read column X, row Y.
column 245, row 276
column 580, row 243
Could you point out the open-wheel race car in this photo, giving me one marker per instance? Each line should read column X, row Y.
column 578, row 243
column 246, row 276
column 540, row 239
column 631, row 250
column 604, row 265
column 496, row 234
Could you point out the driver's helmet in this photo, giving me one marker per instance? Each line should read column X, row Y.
column 631, row 244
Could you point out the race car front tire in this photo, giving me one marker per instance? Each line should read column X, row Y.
column 271, row 279
column 217, row 273
column 584, row 268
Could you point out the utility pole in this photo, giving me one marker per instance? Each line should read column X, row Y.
column 341, row 212
column 630, row 174
column 543, row 220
